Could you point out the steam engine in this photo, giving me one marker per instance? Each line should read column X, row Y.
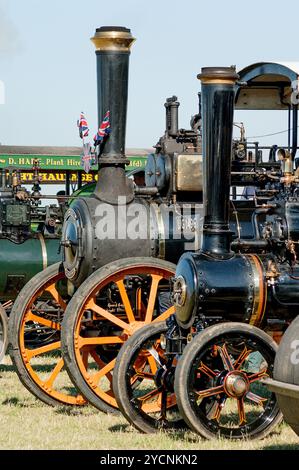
column 29, row 234
column 168, row 184
column 252, row 279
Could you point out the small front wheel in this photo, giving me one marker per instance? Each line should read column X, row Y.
column 142, row 382
column 218, row 383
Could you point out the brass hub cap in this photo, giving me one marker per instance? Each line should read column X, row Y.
column 236, row 384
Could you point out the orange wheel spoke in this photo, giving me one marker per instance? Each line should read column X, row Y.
column 126, row 301
column 100, row 363
column 104, row 371
column 55, row 372
column 43, row 321
column 152, row 298
column 259, row 375
column 225, row 357
column 209, row 392
column 150, row 395
column 207, row 371
column 243, row 356
column 109, row 316
column 42, row 350
column 55, row 294
column 85, row 355
column 241, row 411
column 256, row 398
column 152, row 364
column 170, row 311
column 99, row 340
column 144, row 375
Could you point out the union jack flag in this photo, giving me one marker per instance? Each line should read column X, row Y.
column 104, row 130
column 83, row 126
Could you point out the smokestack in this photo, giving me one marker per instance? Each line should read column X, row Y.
column 113, row 44
column 218, row 94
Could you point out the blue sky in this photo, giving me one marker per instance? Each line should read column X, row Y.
column 47, row 61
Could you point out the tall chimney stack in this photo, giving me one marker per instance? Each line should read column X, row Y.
column 218, row 94
column 113, row 44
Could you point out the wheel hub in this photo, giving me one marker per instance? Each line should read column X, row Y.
column 236, row 384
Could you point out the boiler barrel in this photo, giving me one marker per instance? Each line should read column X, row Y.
column 20, row 262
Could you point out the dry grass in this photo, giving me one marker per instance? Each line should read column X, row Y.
column 26, row 423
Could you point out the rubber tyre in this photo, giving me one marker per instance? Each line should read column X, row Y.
column 4, row 327
column 70, row 320
column 285, row 370
column 184, row 367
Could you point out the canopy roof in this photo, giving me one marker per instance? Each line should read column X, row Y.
column 267, row 85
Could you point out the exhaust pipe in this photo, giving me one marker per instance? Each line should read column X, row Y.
column 113, row 45
column 218, row 95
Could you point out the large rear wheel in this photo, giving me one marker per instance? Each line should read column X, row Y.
column 111, row 305
column 34, row 337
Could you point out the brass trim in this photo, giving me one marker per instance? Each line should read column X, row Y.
column 44, row 250
column 260, row 291
column 113, row 41
column 223, row 81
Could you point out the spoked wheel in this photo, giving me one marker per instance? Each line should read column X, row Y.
column 111, row 305
column 143, row 382
column 218, row 383
column 3, row 333
column 286, row 371
column 35, row 325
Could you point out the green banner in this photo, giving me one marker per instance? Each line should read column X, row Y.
column 50, row 162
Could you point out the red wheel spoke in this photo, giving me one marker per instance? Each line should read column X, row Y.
column 152, row 298
column 216, row 410
column 126, row 301
column 170, row 311
column 207, row 371
column 109, row 316
column 256, row 398
column 243, row 356
column 241, row 411
column 257, row 376
column 55, row 294
column 209, row 392
column 225, row 357
column 55, row 372
column 43, row 321
column 42, row 350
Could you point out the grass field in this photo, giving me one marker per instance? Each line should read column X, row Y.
column 25, row 423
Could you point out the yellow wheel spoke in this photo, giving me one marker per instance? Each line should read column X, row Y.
column 243, row 356
column 54, row 373
column 42, row 350
column 259, row 375
column 126, row 301
column 43, row 321
column 152, row 298
column 109, row 316
column 55, row 294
